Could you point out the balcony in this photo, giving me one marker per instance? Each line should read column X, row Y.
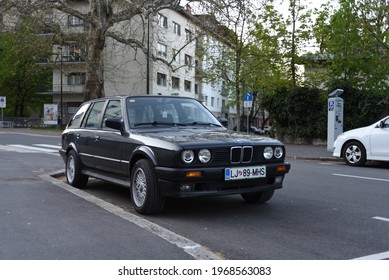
column 66, row 89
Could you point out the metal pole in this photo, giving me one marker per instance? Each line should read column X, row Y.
column 61, row 88
column 148, row 55
column 61, row 121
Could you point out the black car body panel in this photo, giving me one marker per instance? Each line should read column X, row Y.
column 215, row 153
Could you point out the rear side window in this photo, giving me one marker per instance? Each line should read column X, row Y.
column 77, row 119
column 94, row 113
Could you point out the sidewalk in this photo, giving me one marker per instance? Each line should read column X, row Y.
column 310, row 152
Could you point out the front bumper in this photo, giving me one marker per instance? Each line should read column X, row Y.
column 173, row 182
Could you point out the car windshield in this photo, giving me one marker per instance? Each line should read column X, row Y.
column 168, row 111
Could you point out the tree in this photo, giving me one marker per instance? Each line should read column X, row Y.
column 297, row 36
column 353, row 39
column 20, row 77
column 229, row 60
column 104, row 18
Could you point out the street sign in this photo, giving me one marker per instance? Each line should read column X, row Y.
column 248, row 99
column 3, row 102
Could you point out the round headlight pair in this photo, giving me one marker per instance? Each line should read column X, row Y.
column 268, row 152
column 188, row 156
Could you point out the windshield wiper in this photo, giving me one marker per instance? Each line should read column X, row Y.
column 155, row 123
column 204, row 124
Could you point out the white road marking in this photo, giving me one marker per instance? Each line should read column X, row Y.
column 31, row 149
column 8, row 148
column 379, row 256
column 34, row 148
column 361, row 177
column 56, row 147
column 381, row 218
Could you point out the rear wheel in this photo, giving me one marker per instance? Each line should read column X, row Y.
column 145, row 193
column 73, row 171
column 258, row 197
column 354, row 154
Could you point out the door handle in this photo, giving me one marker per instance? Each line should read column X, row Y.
column 78, row 135
column 97, row 138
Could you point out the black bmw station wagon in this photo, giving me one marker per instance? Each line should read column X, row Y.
column 168, row 146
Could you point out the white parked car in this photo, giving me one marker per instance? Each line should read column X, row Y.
column 366, row 143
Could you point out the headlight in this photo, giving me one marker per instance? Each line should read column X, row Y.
column 187, row 156
column 278, row 152
column 268, row 153
column 204, row 155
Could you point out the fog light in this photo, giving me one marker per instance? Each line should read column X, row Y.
column 186, row 187
column 279, row 179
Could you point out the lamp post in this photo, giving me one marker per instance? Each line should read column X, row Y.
column 148, row 55
column 61, row 88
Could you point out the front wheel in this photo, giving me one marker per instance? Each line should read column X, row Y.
column 354, row 154
column 74, row 175
column 258, row 197
column 145, row 193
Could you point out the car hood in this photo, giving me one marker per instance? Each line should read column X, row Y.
column 200, row 136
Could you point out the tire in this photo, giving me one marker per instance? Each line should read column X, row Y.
column 73, row 171
column 145, row 194
column 354, row 154
column 258, row 197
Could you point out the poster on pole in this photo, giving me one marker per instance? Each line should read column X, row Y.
column 50, row 114
column 3, row 102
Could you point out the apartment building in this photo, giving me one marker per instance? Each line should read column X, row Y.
column 172, row 68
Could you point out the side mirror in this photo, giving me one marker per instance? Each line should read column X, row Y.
column 116, row 124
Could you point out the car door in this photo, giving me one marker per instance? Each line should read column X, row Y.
column 379, row 140
column 88, row 134
column 107, row 142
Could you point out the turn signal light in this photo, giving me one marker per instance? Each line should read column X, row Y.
column 281, row 168
column 191, row 174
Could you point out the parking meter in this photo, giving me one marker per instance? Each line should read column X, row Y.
column 335, row 117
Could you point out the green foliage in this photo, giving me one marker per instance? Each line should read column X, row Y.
column 297, row 113
column 20, row 76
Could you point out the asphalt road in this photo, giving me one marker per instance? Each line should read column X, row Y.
column 326, row 210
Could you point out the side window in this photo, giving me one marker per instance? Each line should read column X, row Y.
column 113, row 111
column 77, row 119
column 93, row 118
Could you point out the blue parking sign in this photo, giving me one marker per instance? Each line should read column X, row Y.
column 248, row 96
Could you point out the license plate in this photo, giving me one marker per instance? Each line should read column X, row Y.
column 248, row 172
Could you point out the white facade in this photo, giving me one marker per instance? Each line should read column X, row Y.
column 172, row 68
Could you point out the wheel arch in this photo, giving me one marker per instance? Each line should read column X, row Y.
column 349, row 141
column 72, row 147
column 142, row 152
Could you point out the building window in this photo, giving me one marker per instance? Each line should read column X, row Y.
column 75, row 21
column 188, row 85
column 175, row 83
column 188, row 60
column 196, row 89
column 75, row 53
column 162, row 21
column 176, row 28
column 212, row 101
column 162, row 50
column 76, row 79
column 176, row 56
column 188, row 35
column 161, row 79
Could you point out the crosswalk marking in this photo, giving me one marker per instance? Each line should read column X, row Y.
column 34, row 148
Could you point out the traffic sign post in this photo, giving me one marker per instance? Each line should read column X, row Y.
column 3, row 105
column 248, row 103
